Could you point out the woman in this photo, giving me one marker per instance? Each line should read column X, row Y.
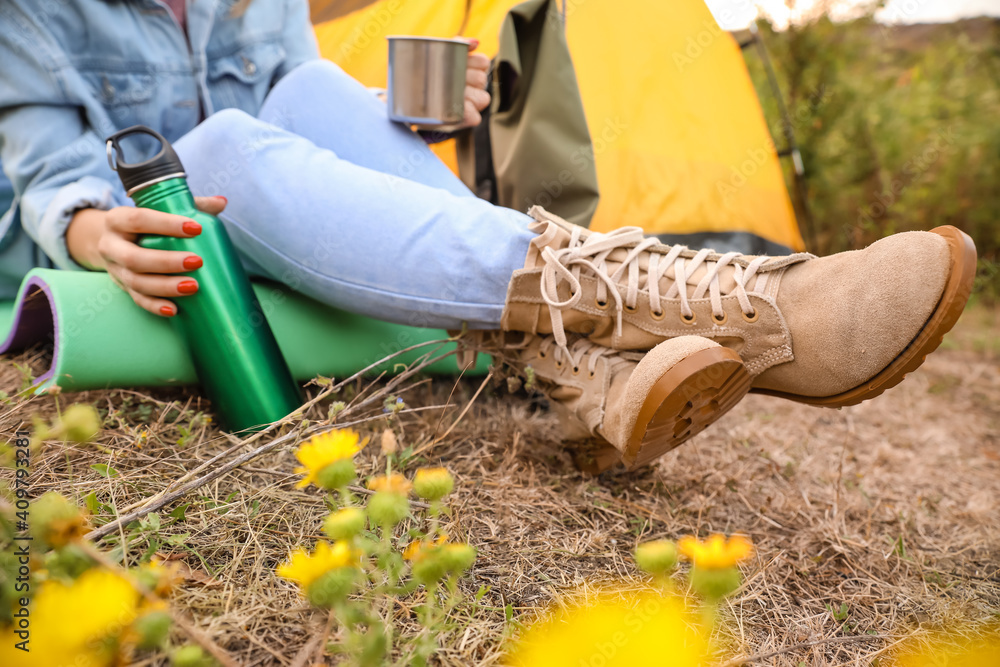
column 320, row 191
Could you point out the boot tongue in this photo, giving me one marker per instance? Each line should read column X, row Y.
column 556, row 236
column 550, row 235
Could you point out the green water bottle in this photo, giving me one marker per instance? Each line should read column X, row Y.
column 234, row 351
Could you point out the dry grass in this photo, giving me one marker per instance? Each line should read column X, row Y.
column 890, row 508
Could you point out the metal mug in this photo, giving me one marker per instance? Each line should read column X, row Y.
column 427, row 80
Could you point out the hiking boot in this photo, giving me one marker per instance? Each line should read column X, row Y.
column 828, row 331
column 644, row 404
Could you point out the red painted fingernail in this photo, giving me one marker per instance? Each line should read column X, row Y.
column 187, row 286
column 222, row 198
column 192, row 262
column 191, row 228
column 473, row 43
column 166, row 310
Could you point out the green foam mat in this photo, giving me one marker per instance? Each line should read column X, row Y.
column 101, row 339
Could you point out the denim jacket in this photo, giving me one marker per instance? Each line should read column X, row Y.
column 74, row 71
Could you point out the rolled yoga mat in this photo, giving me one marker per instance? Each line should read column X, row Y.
column 100, row 339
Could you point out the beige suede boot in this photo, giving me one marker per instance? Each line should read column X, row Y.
column 644, row 404
column 829, row 331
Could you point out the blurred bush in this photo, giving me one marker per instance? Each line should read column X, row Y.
column 898, row 128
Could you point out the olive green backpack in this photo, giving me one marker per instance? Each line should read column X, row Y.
column 533, row 146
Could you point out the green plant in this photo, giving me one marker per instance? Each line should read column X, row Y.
column 364, row 571
column 896, row 126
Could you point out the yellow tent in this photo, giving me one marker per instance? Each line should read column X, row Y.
column 680, row 143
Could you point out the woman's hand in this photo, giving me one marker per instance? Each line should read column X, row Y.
column 105, row 240
column 476, row 97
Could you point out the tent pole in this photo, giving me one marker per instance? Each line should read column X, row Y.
column 792, row 147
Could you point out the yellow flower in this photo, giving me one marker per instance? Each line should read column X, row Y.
column 413, row 550
column 656, row 557
column 304, row 569
column 56, row 522
column 394, row 483
column 457, row 557
column 716, row 553
column 326, row 448
column 345, row 523
column 648, row 629
column 950, row 650
column 151, row 627
column 78, row 623
column 419, row 549
column 430, row 560
column 79, row 423
column 433, row 483
column 159, row 578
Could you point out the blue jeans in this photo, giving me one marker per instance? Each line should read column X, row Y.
column 331, row 198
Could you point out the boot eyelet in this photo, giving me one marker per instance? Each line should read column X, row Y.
column 602, row 305
column 657, row 316
column 559, row 365
column 631, row 310
column 751, row 318
column 689, row 321
column 592, row 375
column 720, row 320
column 542, row 355
column 576, row 370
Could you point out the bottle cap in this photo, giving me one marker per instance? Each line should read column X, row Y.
column 165, row 164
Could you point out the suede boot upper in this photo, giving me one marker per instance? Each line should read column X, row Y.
column 841, row 318
column 596, row 391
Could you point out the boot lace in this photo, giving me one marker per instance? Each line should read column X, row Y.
column 573, row 354
column 592, row 253
column 570, row 353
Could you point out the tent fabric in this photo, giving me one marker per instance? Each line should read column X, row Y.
column 680, row 142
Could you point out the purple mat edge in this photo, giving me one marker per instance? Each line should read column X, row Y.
column 32, row 323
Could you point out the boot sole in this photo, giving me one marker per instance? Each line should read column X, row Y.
column 685, row 401
column 956, row 294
